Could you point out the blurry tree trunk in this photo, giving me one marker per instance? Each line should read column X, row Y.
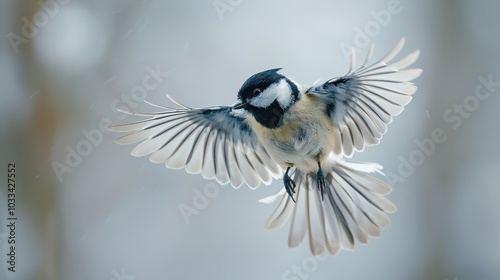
column 38, row 190
column 453, row 58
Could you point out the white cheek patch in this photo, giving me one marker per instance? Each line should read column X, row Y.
column 265, row 99
column 280, row 91
column 284, row 94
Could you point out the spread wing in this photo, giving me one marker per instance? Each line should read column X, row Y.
column 362, row 103
column 215, row 142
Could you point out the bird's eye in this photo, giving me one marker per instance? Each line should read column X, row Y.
column 256, row 92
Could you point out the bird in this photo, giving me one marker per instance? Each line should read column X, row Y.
column 304, row 135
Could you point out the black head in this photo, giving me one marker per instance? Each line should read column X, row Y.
column 267, row 95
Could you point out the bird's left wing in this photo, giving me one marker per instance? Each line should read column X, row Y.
column 215, row 141
column 362, row 103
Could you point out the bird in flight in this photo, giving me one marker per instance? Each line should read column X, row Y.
column 304, row 135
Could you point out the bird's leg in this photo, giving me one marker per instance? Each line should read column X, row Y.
column 289, row 184
column 320, row 180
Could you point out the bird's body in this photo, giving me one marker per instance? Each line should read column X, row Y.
column 308, row 133
column 304, row 138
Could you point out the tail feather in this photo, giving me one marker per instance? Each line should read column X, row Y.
column 299, row 223
column 353, row 208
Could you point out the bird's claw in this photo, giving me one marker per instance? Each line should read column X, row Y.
column 320, row 180
column 289, row 186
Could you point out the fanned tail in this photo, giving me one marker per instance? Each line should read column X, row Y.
column 353, row 209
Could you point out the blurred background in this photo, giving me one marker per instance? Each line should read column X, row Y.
column 86, row 209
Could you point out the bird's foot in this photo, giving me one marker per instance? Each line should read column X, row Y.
column 289, row 184
column 320, row 180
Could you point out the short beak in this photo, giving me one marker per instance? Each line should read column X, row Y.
column 240, row 105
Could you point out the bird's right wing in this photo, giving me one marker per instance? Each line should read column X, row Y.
column 216, row 142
